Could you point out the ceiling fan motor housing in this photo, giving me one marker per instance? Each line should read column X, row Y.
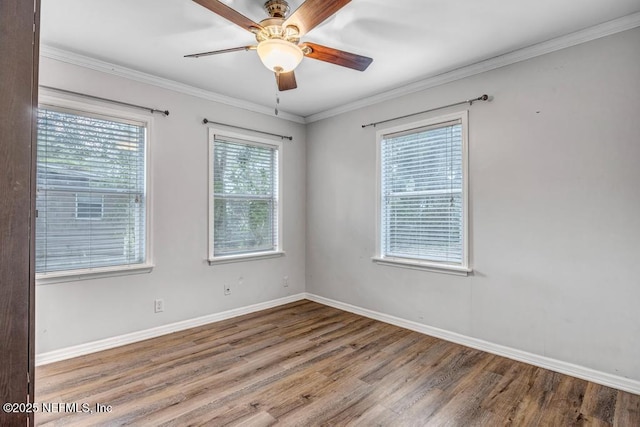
column 277, row 8
column 272, row 27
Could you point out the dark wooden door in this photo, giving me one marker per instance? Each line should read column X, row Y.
column 19, row 39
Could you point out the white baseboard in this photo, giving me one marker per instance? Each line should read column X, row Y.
column 107, row 343
column 609, row 380
column 603, row 378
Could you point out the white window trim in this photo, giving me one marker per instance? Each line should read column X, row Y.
column 80, row 105
column 261, row 142
column 91, row 273
column 412, row 263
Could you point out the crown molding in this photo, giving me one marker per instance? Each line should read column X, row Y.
column 582, row 36
column 120, row 71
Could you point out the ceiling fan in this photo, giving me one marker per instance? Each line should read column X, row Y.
column 278, row 37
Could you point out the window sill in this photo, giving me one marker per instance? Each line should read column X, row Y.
column 423, row 265
column 245, row 257
column 91, row 273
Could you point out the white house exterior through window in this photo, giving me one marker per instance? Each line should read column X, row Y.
column 91, row 195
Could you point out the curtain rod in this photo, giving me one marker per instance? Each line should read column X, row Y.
column 152, row 110
column 468, row 101
column 290, row 138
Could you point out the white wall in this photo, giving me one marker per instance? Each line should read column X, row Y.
column 555, row 210
column 73, row 313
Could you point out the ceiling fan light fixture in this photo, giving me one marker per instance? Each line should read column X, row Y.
column 279, row 55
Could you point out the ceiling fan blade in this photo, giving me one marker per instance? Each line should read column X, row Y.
column 312, row 13
column 216, row 52
column 230, row 14
column 338, row 57
column 286, row 81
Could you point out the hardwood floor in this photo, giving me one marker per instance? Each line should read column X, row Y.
column 305, row 364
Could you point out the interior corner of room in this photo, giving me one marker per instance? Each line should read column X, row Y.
column 549, row 200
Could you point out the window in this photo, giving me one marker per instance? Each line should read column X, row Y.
column 423, row 194
column 91, row 196
column 244, row 211
column 89, row 206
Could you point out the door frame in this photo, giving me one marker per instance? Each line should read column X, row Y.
column 19, row 50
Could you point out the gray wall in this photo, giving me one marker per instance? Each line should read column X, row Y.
column 554, row 214
column 79, row 312
column 555, row 202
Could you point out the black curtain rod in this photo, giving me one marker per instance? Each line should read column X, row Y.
column 468, row 101
column 290, row 138
column 152, row 110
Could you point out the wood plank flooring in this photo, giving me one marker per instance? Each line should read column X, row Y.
column 305, row 364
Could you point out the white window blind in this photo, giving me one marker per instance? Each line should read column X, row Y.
column 422, row 194
column 90, row 192
column 245, row 197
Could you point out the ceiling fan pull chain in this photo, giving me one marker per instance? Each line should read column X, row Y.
column 277, row 101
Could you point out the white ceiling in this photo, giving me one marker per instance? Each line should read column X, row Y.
column 409, row 40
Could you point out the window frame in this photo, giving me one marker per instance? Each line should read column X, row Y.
column 415, row 263
column 73, row 105
column 259, row 142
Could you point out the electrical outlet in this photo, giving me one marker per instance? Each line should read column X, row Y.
column 227, row 289
column 285, row 281
column 158, row 305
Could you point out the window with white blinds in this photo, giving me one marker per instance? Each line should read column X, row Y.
column 91, row 199
column 423, row 192
column 244, row 212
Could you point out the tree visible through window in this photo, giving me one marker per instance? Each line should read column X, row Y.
column 90, row 192
column 245, row 197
